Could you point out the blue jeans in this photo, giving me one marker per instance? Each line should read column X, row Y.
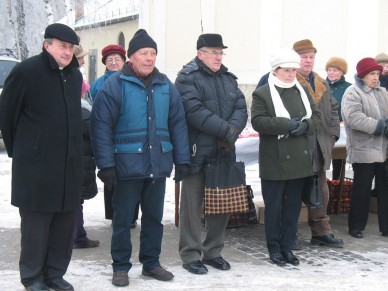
column 150, row 193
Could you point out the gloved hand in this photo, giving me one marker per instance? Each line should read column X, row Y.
column 380, row 128
column 293, row 124
column 301, row 129
column 181, row 172
column 108, row 177
column 222, row 144
column 232, row 134
column 386, row 130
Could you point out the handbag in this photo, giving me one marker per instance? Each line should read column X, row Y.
column 244, row 218
column 312, row 194
column 225, row 185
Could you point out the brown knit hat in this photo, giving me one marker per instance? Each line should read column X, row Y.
column 303, row 46
column 338, row 63
column 381, row 58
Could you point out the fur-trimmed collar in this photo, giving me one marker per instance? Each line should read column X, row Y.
column 319, row 84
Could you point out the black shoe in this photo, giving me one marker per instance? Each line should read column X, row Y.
column 158, row 273
column 59, row 284
column 218, row 263
column 384, row 233
column 356, row 233
column 297, row 245
column 37, row 286
column 277, row 258
column 86, row 244
column 327, row 240
column 195, row 267
column 120, row 278
column 290, row 258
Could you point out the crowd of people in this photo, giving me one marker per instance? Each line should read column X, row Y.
column 135, row 127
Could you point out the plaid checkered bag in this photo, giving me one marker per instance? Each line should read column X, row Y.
column 225, row 187
column 226, row 200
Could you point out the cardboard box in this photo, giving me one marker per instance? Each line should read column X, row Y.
column 260, row 207
column 373, row 205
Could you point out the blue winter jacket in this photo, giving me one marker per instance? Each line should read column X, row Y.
column 97, row 84
column 139, row 130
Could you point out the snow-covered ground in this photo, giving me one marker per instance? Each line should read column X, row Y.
column 361, row 265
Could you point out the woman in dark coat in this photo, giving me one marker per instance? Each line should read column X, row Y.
column 284, row 114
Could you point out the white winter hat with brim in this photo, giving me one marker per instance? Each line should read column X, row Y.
column 285, row 58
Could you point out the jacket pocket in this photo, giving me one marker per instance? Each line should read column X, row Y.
column 166, row 146
column 131, row 148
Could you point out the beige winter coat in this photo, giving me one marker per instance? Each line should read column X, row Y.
column 364, row 110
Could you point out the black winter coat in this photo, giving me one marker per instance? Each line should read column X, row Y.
column 40, row 118
column 211, row 101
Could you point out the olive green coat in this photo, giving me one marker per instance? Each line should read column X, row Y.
column 288, row 157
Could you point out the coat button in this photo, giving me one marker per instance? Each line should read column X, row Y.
column 305, row 152
column 288, row 157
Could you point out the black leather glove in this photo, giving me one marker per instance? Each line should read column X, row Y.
column 293, row 124
column 181, row 172
column 108, row 177
column 232, row 134
column 301, row 129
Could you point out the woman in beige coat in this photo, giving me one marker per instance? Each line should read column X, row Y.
column 365, row 115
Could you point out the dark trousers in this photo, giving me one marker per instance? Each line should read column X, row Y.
column 337, row 166
column 361, row 192
column 283, row 201
column 108, row 195
column 46, row 245
column 151, row 193
column 79, row 230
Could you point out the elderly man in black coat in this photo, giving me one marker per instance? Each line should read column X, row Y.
column 40, row 118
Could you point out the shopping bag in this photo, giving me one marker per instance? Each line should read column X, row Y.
column 225, row 186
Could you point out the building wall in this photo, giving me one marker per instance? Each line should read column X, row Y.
column 251, row 29
column 96, row 38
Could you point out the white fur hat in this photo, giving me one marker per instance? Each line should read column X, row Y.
column 285, row 58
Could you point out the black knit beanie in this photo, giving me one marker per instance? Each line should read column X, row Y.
column 140, row 40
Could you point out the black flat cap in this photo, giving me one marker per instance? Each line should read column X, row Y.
column 62, row 32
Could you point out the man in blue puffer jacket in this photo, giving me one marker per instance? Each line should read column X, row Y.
column 138, row 130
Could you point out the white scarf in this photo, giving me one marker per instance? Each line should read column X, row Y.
column 280, row 110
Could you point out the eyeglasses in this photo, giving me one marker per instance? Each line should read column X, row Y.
column 214, row 53
column 116, row 60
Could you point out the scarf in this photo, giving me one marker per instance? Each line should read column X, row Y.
column 280, row 110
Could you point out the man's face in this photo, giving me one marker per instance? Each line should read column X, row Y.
column 143, row 61
column 61, row 51
column 306, row 62
column 385, row 68
column 114, row 62
column 211, row 57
